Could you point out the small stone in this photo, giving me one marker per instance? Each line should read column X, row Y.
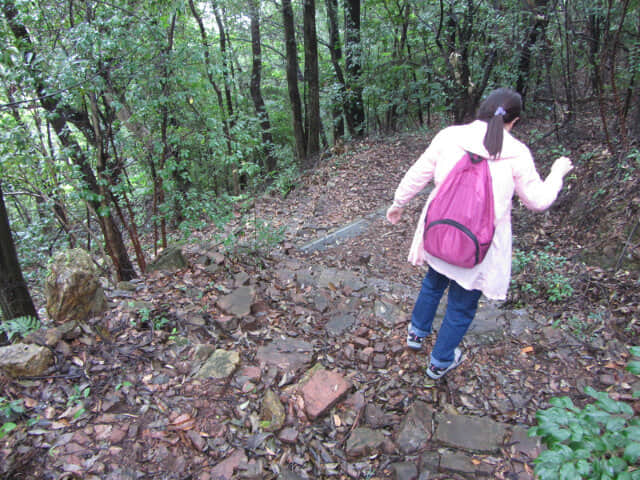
column 220, row 364
column 404, row 471
column 272, row 412
column 365, row 354
column 379, row 360
column 322, row 391
column 364, row 441
column 288, row 435
column 238, row 302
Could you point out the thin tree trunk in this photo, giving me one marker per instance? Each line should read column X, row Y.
column 292, row 81
column 524, row 64
column 255, row 86
column 336, row 56
column 226, row 122
column 311, row 75
column 353, row 66
column 15, row 300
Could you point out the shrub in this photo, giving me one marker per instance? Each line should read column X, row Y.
column 599, row 441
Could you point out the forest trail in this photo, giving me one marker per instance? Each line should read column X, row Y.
column 270, row 317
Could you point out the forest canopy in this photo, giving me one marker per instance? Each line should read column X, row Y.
column 124, row 121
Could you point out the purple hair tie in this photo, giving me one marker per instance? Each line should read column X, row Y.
column 500, row 111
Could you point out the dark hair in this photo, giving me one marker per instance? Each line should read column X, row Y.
column 501, row 106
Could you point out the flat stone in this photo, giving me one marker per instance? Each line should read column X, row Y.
column 478, row 434
column 429, row 462
column 286, row 474
column 376, row 417
column 170, row 259
column 20, row 359
column 463, row 463
column 364, row 441
column 238, row 302
column 288, row 435
column 414, row 431
column 340, row 323
column 288, row 354
column 388, row 312
column 404, row 471
column 225, row 470
column 322, row 391
column 220, row 364
column 524, row 444
column 272, row 411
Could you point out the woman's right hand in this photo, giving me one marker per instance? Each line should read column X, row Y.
column 562, row 165
column 394, row 213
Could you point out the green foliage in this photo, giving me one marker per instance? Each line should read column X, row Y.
column 539, row 274
column 601, row 440
column 76, row 399
column 21, row 326
column 10, row 411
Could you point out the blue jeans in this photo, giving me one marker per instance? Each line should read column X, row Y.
column 461, row 308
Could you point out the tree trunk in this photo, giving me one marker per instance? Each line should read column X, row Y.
column 354, row 106
column 256, row 92
column 15, row 300
column 292, row 81
column 312, row 78
column 524, row 64
column 336, row 57
column 226, row 121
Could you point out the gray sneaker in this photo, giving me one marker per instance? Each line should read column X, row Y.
column 437, row 372
column 414, row 341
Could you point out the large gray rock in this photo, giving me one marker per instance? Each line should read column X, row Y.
column 170, row 259
column 414, row 432
column 72, row 287
column 25, row 360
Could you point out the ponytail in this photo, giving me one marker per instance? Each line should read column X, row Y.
column 501, row 106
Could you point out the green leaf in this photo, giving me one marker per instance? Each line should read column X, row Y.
column 634, row 367
column 635, row 351
column 632, row 452
column 617, row 464
column 568, row 472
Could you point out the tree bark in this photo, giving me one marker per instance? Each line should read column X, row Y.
column 292, row 81
column 354, row 106
column 336, row 56
column 255, row 86
column 312, row 78
column 537, row 30
column 15, row 300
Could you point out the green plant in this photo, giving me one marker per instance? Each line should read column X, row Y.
column 599, row 441
column 77, row 397
column 538, row 273
column 10, row 410
column 21, row 326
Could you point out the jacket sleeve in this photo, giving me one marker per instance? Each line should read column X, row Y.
column 418, row 175
column 535, row 194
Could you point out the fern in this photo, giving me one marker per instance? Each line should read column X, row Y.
column 19, row 326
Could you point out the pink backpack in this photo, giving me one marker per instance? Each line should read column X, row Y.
column 460, row 220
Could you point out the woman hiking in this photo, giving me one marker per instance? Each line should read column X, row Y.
column 511, row 169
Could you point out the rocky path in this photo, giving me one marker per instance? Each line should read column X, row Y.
column 291, row 363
